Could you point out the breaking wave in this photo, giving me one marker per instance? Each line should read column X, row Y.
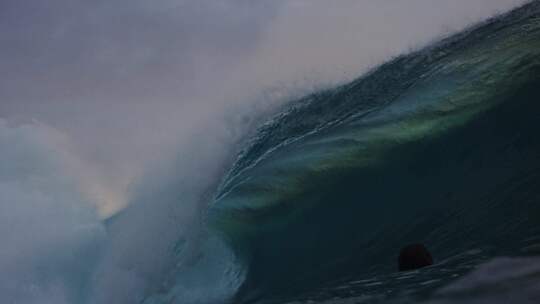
column 439, row 146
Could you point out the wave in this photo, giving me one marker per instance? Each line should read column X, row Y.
column 439, row 146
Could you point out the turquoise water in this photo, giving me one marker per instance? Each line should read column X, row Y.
column 440, row 146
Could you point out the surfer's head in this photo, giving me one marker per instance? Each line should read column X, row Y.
column 413, row 257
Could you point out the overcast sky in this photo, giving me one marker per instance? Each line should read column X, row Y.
column 126, row 80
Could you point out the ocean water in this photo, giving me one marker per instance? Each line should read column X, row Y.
column 440, row 146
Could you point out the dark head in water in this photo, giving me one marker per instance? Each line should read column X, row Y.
column 414, row 257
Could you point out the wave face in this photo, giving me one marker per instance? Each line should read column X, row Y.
column 441, row 146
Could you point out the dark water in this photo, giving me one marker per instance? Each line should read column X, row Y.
column 441, row 146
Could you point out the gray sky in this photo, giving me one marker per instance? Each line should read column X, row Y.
column 131, row 80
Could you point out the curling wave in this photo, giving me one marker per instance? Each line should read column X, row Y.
column 439, row 146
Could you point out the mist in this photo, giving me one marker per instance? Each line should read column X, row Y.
column 117, row 119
